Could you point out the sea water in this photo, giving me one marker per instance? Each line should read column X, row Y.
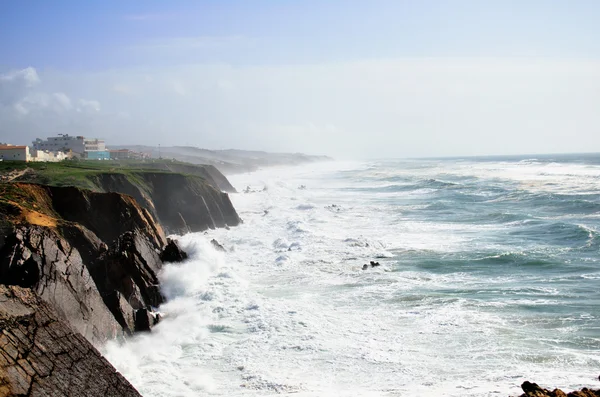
column 489, row 276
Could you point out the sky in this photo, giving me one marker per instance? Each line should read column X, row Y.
column 346, row 78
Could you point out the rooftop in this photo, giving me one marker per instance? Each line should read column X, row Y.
column 12, row 147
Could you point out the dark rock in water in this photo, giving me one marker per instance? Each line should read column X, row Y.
column 145, row 319
column 129, row 268
column 374, row 264
column 40, row 355
column 365, row 266
column 173, row 252
column 217, row 246
column 533, row 390
column 333, row 208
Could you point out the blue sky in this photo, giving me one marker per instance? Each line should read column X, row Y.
column 292, row 68
column 111, row 34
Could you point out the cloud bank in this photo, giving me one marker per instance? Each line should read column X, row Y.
column 379, row 108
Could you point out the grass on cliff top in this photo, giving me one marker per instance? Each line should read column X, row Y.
column 84, row 173
column 22, row 196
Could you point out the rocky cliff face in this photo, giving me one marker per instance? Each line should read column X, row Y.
column 89, row 259
column 93, row 256
column 40, row 355
column 180, row 203
column 187, row 204
column 209, row 173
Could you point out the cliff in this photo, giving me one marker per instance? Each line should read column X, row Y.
column 93, row 256
column 181, row 197
column 40, row 355
column 181, row 203
column 209, row 173
column 84, row 252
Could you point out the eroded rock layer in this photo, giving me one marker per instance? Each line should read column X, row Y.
column 93, row 256
column 40, row 355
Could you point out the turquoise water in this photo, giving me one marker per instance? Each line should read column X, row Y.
column 530, row 231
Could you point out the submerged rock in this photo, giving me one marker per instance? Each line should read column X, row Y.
column 217, row 245
column 40, row 355
column 145, row 319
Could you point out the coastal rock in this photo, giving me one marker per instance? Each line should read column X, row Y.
column 218, row 246
column 145, row 319
column 533, row 390
column 186, row 203
column 127, row 274
column 93, row 256
column 41, row 259
column 181, row 203
column 108, row 215
column 173, row 252
column 40, row 355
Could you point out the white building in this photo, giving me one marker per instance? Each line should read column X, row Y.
column 44, row 155
column 61, row 143
column 15, row 153
column 95, row 145
column 66, row 142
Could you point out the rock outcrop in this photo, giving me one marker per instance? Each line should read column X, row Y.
column 173, row 252
column 533, row 390
column 93, row 256
column 181, row 203
column 187, row 204
column 79, row 267
column 40, row 258
column 40, row 355
column 209, row 173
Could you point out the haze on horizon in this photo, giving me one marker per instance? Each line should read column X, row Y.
column 379, row 78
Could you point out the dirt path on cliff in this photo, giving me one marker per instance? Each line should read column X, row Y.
column 12, row 175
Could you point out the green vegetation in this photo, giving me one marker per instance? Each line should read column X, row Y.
column 86, row 174
column 12, row 194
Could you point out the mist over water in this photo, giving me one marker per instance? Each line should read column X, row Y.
column 489, row 276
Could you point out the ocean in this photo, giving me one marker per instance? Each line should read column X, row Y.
column 489, row 276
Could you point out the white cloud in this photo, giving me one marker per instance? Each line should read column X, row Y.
column 28, row 75
column 84, row 105
column 23, row 91
column 62, row 100
column 405, row 107
column 31, row 108
column 15, row 84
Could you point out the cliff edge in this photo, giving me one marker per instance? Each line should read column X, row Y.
column 181, row 197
